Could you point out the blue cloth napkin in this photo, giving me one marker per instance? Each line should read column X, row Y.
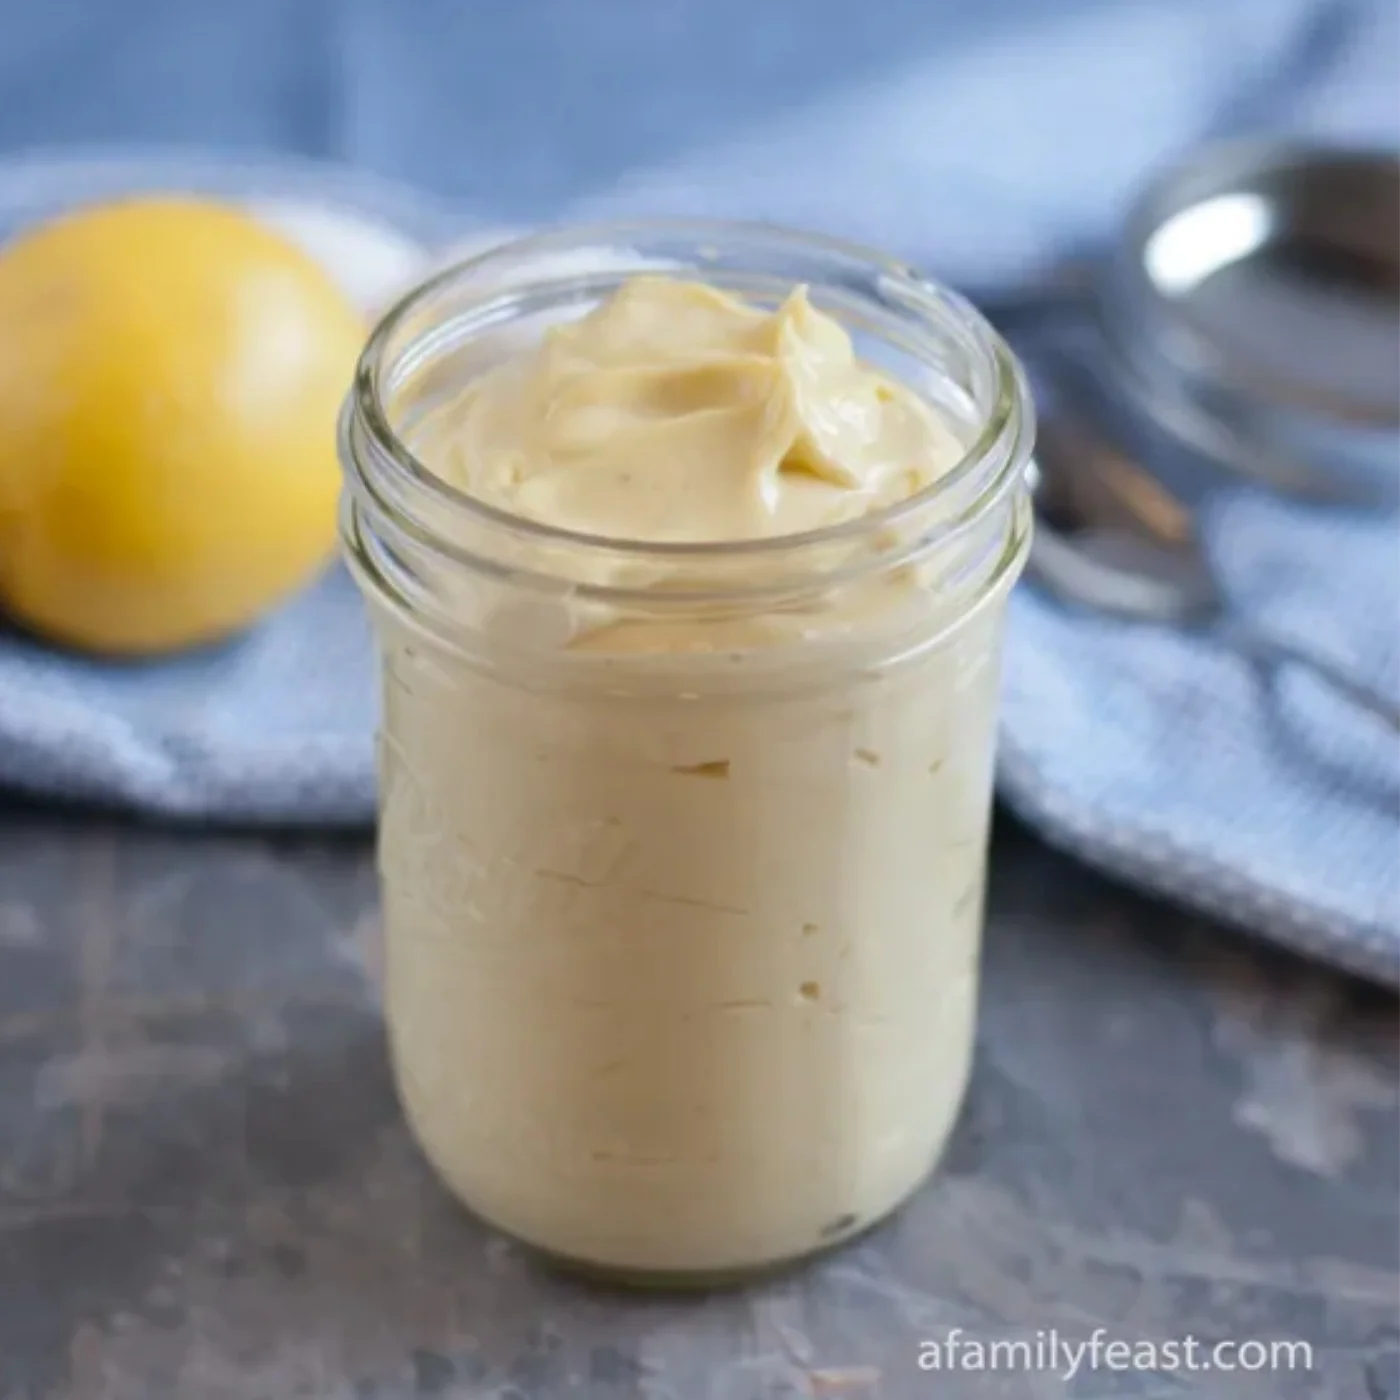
column 985, row 146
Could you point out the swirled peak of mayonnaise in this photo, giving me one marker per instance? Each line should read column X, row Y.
column 675, row 413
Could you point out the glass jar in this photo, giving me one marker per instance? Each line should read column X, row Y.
column 683, row 846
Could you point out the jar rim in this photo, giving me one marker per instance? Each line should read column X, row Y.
column 1004, row 427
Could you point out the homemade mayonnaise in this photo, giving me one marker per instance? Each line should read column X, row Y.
column 676, row 413
column 683, row 900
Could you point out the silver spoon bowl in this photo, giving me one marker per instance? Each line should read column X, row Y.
column 1247, row 319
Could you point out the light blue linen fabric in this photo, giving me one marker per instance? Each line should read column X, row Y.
column 985, row 142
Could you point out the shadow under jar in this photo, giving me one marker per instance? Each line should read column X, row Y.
column 683, row 845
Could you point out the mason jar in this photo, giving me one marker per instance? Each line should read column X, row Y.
column 682, row 846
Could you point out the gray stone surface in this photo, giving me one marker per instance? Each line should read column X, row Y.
column 206, row 1190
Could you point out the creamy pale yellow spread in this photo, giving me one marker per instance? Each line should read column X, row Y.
column 674, row 412
column 681, row 960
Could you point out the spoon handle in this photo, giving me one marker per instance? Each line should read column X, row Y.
column 1275, row 651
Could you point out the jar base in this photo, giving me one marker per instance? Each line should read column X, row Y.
column 681, row 1280
column 701, row 1280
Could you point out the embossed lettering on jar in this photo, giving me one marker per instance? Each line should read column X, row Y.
column 683, row 834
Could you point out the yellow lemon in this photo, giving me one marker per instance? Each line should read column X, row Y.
column 170, row 375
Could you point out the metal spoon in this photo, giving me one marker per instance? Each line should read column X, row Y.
column 1110, row 537
column 1246, row 318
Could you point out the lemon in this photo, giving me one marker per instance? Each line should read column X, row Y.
column 170, row 375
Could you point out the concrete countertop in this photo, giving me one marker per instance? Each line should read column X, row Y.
column 207, row 1191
